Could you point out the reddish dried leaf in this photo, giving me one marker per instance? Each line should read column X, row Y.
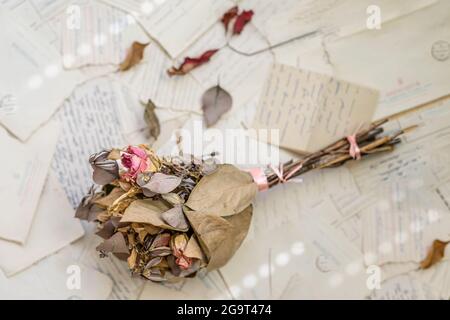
column 134, row 56
column 191, row 63
column 435, row 254
column 228, row 16
column 242, row 19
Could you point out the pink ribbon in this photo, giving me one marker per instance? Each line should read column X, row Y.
column 279, row 173
column 294, row 170
column 354, row 150
column 260, row 178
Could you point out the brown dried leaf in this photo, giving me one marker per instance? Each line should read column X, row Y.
column 109, row 228
column 220, row 237
column 193, row 249
column 115, row 244
column 152, row 120
column 215, row 102
column 151, row 229
column 435, row 254
column 134, row 56
column 108, row 200
column 225, row 192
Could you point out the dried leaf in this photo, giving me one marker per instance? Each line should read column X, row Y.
column 153, row 262
column 215, row 102
column 193, row 249
column 435, row 254
column 242, row 19
column 191, row 63
column 178, row 242
column 154, row 274
column 161, row 240
column 225, row 192
column 228, row 16
column 86, row 204
column 162, row 183
column 209, row 166
column 152, row 120
column 151, row 229
column 109, row 228
column 173, row 198
column 175, row 218
column 147, row 211
column 108, row 200
column 115, row 244
column 132, row 259
column 94, row 212
column 105, row 170
column 219, row 237
column 134, row 56
column 160, row 252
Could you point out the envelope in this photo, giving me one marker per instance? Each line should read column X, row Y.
column 54, row 227
column 23, row 168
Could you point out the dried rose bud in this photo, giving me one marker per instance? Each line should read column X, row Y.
column 136, row 161
column 105, row 170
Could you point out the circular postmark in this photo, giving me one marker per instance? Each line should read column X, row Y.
column 440, row 50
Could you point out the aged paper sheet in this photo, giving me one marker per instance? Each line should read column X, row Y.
column 311, row 109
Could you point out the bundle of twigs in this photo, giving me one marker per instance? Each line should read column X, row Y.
column 370, row 141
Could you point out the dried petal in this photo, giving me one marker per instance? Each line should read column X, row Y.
column 191, row 63
column 208, row 167
column 160, row 252
column 154, row 274
column 175, row 218
column 134, row 56
column 105, row 170
column 178, row 242
column 215, row 102
column 162, row 183
column 161, row 240
column 242, row 20
column 153, row 262
column 228, row 16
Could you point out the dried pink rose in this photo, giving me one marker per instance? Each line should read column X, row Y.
column 136, row 161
